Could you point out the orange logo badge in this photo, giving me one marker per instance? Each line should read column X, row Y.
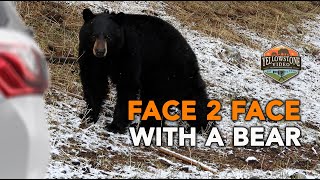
column 281, row 63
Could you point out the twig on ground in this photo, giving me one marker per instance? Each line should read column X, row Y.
column 61, row 59
column 54, row 85
column 186, row 159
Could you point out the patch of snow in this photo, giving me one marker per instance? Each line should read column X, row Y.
column 278, row 174
column 251, row 159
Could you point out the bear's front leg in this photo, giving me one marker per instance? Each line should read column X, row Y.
column 94, row 80
column 95, row 101
column 127, row 89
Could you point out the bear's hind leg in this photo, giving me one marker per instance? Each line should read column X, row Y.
column 198, row 93
column 126, row 90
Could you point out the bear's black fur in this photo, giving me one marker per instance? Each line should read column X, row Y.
column 142, row 55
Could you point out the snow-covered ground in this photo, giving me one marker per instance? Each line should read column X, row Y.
column 82, row 151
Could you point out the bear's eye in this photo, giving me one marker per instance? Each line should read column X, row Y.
column 107, row 37
column 94, row 37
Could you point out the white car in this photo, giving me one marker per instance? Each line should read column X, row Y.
column 24, row 135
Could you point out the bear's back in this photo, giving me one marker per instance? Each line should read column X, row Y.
column 155, row 33
column 152, row 26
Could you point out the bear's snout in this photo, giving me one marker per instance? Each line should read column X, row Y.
column 100, row 52
column 100, row 48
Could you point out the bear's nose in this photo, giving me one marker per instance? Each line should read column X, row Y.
column 100, row 52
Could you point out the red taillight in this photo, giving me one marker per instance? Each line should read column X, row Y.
column 17, row 79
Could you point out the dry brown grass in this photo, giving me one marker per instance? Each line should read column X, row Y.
column 56, row 27
column 270, row 19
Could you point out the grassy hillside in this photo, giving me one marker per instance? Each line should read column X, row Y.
column 273, row 19
column 56, row 26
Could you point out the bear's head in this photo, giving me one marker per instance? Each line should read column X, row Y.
column 103, row 32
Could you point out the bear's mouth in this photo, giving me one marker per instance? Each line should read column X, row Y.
column 100, row 48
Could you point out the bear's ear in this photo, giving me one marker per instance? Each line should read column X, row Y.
column 118, row 18
column 87, row 14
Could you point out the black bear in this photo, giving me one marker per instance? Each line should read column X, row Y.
column 146, row 58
